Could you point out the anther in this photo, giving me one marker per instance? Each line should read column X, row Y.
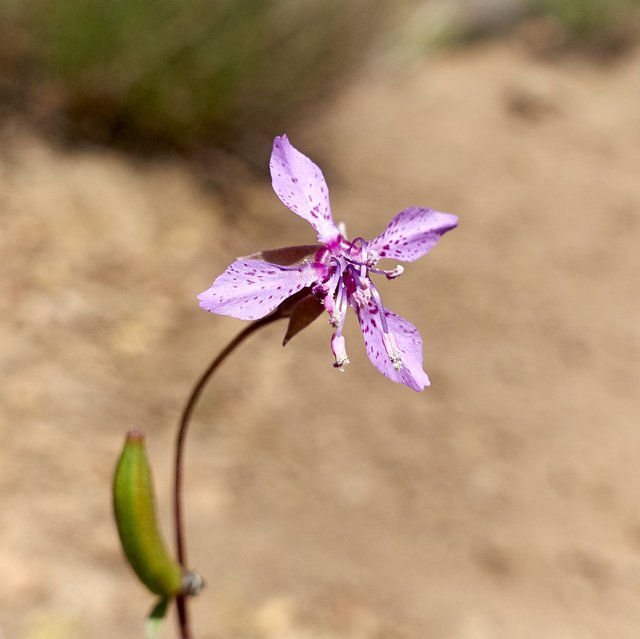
column 389, row 274
column 396, row 272
column 393, row 350
column 339, row 349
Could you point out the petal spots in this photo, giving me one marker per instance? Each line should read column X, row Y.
column 251, row 289
column 300, row 185
column 409, row 342
column 412, row 233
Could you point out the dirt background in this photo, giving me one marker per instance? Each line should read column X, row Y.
column 501, row 503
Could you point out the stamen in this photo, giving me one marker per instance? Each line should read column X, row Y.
column 360, row 240
column 335, row 312
column 390, row 274
column 368, row 259
column 329, row 304
column 362, row 294
column 375, row 296
column 354, row 262
column 340, row 312
column 372, row 256
column 393, row 350
column 363, row 256
column 326, row 291
column 339, row 349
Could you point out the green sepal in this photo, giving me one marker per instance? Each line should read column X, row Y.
column 135, row 514
column 154, row 620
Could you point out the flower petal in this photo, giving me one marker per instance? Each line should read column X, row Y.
column 251, row 289
column 408, row 340
column 300, row 185
column 412, row 233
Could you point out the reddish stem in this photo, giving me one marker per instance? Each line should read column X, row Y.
column 185, row 419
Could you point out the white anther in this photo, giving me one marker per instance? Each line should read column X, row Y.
column 396, row 272
column 393, row 350
column 341, row 363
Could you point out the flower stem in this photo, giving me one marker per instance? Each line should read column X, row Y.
column 183, row 426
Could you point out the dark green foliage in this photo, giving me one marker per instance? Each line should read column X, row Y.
column 187, row 73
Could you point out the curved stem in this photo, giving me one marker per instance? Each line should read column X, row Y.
column 183, row 427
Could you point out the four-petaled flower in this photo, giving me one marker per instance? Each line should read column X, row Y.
column 336, row 271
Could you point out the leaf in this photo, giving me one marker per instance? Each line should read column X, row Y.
column 153, row 622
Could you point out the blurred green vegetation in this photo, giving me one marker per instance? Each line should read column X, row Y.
column 185, row 72
column 188, row 73
column 598, row 27
column 607, row 24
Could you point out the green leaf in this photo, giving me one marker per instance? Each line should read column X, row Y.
column 153, row 623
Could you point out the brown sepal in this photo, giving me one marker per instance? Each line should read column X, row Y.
column 285, row 256
column 301, row 309
column 306, row 310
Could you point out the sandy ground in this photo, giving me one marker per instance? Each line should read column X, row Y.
column 501, row 503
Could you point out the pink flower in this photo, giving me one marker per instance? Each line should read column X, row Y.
column 337, row 272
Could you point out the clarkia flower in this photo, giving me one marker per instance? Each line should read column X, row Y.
column 336, row 272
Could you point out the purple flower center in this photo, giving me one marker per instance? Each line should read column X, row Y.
column 343, row 269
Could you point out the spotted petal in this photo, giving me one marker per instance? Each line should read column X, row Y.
column 300, row 185
column 409, row 343
column 251, row 289
column 412, row 233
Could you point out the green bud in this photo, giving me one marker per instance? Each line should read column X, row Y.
column 135, row 513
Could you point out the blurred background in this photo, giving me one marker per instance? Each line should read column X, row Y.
column 501, row 503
